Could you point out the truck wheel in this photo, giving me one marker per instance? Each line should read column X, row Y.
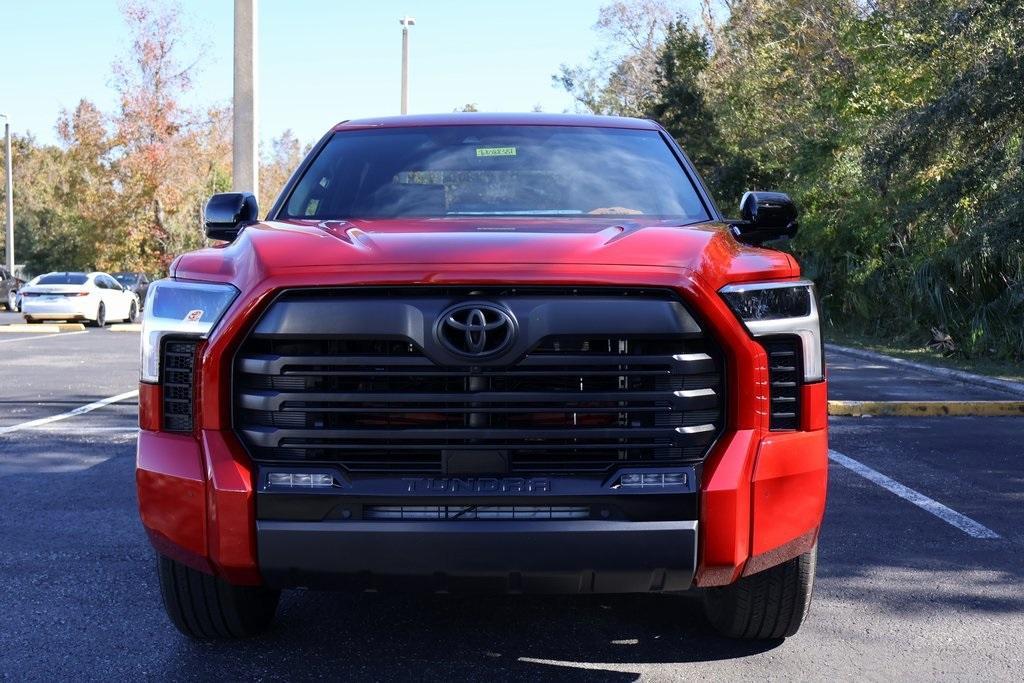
column 768, row 605
column 206, row 607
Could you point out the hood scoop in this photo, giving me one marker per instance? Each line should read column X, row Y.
column 351, row 233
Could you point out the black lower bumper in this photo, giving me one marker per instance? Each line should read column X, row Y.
column 573, row 556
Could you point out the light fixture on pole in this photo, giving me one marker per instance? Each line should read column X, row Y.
column 406, row 22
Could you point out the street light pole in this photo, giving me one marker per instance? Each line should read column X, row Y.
column 9, row 194
column 245, row 143
column 406, row 22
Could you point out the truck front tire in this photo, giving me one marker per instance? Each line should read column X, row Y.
column 205, row 607
column 768, row 605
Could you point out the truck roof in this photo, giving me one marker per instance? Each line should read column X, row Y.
column 490, row 119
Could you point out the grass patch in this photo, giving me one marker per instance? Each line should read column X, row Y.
column 908, row 350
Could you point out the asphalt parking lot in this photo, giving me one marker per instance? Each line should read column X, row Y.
column 906, row 590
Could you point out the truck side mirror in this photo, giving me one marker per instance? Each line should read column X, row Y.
column 765, row 216
column 228, row 212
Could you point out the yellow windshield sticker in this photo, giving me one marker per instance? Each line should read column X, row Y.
column 495, row 151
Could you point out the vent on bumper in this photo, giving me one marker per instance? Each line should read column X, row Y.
column 784, row 379
column 177, row 367
column 475, row 512
column 577, row 397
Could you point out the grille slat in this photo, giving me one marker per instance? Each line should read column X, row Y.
column 278, row 400
column 694, row 363
column 584, row 403
column 272, row 437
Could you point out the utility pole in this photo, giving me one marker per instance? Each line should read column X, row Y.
column 9, row 194
column 406, row 22
column 245, row 142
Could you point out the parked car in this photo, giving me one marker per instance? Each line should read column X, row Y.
column 95, row 298
column 520, row 353
column 8, row 289
column 134, row 282
column 18, row 293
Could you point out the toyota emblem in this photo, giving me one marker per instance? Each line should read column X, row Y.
column 476, row 329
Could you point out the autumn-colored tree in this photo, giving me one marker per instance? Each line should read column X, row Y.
column 152, row 133
column 125, row 190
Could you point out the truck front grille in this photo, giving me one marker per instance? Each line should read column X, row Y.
column 569, row 403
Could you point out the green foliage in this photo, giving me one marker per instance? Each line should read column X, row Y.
column 681, row 107
column 896, row 125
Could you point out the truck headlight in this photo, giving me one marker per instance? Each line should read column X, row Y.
column 181, row 309
column 781, row 308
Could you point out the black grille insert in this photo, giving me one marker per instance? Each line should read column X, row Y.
column 785, row 375
column 177, row 367
column 572, row 403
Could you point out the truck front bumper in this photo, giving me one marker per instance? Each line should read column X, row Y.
column 585, row 556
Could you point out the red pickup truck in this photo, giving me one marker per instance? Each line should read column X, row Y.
column 514, row 353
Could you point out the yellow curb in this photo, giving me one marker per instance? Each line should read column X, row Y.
column 42, row 327
column 925, row 408
column 126, row 327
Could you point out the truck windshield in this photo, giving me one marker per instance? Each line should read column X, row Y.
column 482, row 170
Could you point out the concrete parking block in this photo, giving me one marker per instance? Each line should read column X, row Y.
column 126, row 327
column 49, row 328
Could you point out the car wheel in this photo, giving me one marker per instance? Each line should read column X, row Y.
column 101, row 317
column 31, row 321
column 133, row 313
column 206, row 607
column 768, row 605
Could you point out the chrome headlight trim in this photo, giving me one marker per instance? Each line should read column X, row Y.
column 807, row 327
column 183, row 308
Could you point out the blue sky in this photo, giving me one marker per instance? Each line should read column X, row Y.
column 320, row 61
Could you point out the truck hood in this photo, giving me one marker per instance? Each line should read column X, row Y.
column 280, row 247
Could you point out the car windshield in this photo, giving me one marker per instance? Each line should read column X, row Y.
column 63, row 279
column 483, row 170
column 126, row 278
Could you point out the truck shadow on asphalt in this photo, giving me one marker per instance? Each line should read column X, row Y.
column 79, row 584
column 459, row 636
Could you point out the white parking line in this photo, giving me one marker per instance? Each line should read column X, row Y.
column 41, row 336
column 947, row 515
column 71, row 413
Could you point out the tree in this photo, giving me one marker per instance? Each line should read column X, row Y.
column 151, row 132
column 622, row 74
column 681, row 107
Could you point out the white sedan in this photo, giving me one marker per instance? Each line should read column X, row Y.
column 92, row 297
